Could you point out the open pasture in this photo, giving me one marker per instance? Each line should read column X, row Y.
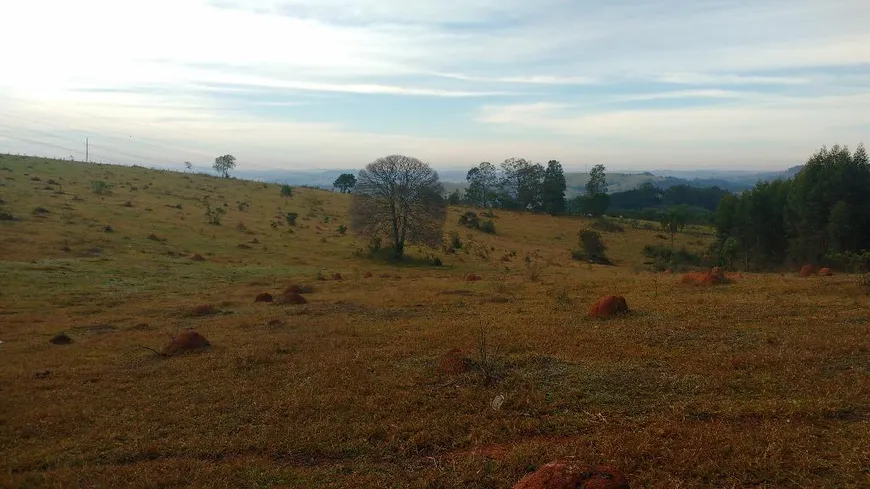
column 763, row 382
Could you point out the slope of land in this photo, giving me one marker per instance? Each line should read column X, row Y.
column 761, row 383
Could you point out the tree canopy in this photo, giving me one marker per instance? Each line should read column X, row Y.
column 345, row 182
column 399, row 197
column 819, row 213
column 223, row 165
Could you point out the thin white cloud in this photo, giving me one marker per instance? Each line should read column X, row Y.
column 824, row 118
column 529, row 79
column 729, row 79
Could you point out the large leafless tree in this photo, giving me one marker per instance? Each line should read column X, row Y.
column 400, row 198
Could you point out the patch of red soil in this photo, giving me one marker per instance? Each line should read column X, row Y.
column 368, row 275
column 185, row 341
column 570, row 473
column 336, row 276
column 292, row 298
column 716, row 276
column 453, row 362
column 807, row 270
column 608, row 306
column 472, row 277
column 827, row 272
column 264, row 297
column 386, row 275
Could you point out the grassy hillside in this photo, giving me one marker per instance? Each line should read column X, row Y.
column 761, row 383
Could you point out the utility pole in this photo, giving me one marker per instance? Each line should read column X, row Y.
column 87, row 149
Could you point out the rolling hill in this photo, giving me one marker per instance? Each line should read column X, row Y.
column 395, row 375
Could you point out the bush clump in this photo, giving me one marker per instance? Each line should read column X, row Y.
column 472, row 220
column 664, row 258
column 591, row 248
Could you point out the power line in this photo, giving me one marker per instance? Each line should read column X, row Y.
column 115, row 120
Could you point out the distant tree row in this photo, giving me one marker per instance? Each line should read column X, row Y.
column 517, row 184
column 815, row 217
column 649, row 202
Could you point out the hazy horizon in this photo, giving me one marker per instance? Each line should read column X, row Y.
column 296, row 84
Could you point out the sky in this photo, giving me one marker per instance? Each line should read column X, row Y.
column 317, row 84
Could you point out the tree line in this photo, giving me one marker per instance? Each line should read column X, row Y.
column 516, row 184
column 820, row 216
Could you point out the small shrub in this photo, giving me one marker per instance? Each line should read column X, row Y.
column 40, row 211
column 286, row 191
column 342, row 230
column 213, row 214
column 488, row 358
column 244, row 205
column 592, row 248
column 488, row 227
column 434, row 261
column 470, row 220
column 291, row 218
column 99, row 187
column 454, row 241
column 561, row 299
column 5, row 216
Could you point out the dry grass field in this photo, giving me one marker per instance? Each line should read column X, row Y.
column 764, row 382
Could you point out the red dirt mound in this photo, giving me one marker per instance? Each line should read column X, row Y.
column 570, row 473
column 60, row 339
column 714, row 277
column 827, row 272
column 368, row 275
column 292, row 298
column 299, row 289
column 386, row 275
column 808, row 270
column 472, row 277
column 336, row 276
column 197, row 257
column 185, row 341
column 453, row 362
column 204, row 310
column 264, row 297
column 608, row 306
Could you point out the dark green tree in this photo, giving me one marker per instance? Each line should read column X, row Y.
column 454, row 198
column 596, row 200
column 597, row 183
column 345, row 182
column 553, row 188
column 482, row 185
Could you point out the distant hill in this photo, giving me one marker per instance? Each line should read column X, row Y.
column 734, row 181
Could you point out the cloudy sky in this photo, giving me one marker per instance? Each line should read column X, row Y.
column 303, row 84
